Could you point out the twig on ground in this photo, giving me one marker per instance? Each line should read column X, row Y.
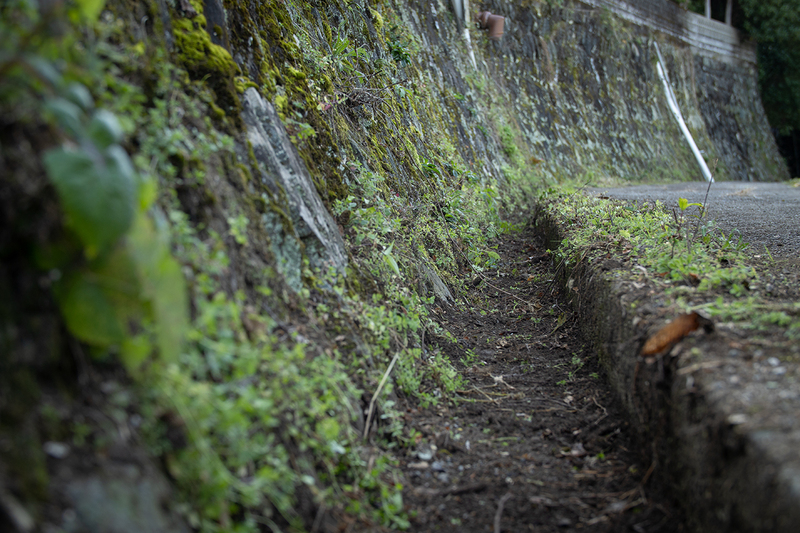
column 318, row 519
column 499, row 379
column 648, row 474
column 605, row 412
column 603, row 417
column 476, row 389
column 377, row 392
column 499, row 514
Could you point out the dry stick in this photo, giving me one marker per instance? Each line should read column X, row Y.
column 377, row 392
column 487, row 396
column 499, row 512
column 318, row 519
column 605, row 412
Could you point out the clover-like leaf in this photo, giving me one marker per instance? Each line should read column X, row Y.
column 328, row 429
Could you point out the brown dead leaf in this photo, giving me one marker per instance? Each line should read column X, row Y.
column 502, row 343
column 675, row 331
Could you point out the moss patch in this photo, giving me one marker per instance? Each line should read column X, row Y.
column 207, row 61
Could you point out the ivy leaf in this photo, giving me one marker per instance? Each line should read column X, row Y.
column 97, row 193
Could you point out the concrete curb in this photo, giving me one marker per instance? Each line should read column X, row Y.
column 731, row 473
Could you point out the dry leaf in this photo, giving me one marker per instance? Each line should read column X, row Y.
column 675, row 331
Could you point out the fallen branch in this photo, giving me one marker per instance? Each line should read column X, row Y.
column 498, row 515
column 377, row 392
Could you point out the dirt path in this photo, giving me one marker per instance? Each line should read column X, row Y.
column 537, row 442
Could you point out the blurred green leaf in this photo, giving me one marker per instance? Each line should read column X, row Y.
column 87, row 311
column 104, row 129
column 134, row 351
column 328, row 429
column 163, row 285
column 79, row 95
column 97, row 193
column 67, row 114
column 44, row 69
column 90, row 9
column 392, row 263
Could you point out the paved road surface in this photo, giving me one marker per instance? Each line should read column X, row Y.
column 766, row 214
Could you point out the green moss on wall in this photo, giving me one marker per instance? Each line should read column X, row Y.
column 207, row 61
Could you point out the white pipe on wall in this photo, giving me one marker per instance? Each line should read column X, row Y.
column 467, row 21
column 461, row 8
column 673, row 105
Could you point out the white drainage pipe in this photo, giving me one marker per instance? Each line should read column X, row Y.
column 461, row 7
column 673, row 105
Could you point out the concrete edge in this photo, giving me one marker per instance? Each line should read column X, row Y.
column 726, row 476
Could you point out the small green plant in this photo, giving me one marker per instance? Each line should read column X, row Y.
column 470, row 358
column 299, row 130
column 431, row 169
column 400, row 53
column 652, row 236
column 508, row 142
column 238, row 229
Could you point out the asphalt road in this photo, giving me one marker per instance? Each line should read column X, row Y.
column 766, row 214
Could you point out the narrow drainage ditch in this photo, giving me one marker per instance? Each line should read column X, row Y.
column 536, row 441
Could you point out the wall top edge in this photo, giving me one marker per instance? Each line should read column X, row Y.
column 707, row 37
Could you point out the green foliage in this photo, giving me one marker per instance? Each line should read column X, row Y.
column 96, row 185
column 659, row 242
column 266, row 408
column 400, row 53
column 508, row 144
column 656, row 238
column 119, row 288
column 238, row 229
column 89, row 9
column 775, row 25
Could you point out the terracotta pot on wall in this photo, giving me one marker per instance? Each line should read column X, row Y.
column 493, row 23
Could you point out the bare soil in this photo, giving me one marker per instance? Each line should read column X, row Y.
column 536, row 440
